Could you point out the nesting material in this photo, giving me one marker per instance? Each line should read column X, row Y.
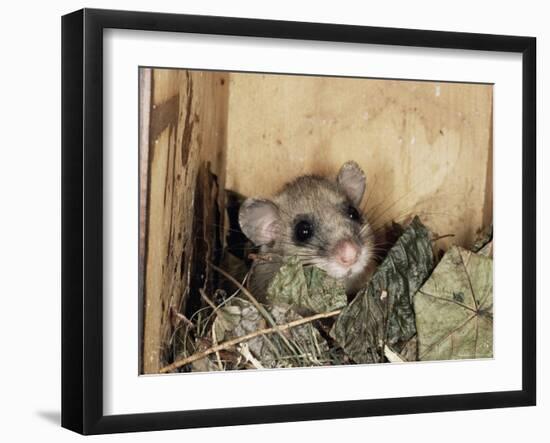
column 408, row 311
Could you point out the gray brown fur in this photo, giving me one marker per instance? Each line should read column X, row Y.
column 315, row 198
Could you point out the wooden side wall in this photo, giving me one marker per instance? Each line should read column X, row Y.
column 426, row 147
column 186, row 123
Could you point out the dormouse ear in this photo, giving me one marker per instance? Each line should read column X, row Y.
column 259, row 220
column 351, row 179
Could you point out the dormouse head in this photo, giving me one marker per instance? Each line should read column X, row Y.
column 315, row 219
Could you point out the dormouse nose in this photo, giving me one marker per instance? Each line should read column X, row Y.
column 346, row 252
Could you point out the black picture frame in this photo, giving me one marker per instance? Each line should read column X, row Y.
column 82, row 219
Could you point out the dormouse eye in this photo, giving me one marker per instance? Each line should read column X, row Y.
column 303, row 231
column 353, row 213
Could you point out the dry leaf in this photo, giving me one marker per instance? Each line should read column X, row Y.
column 383, row 313
column 454, row 308
column 306, row 288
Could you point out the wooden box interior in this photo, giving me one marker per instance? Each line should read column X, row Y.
column 426, row 148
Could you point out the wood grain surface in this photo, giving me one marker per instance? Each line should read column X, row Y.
column 187, row 130
column 426, row 148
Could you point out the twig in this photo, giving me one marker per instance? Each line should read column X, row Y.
column 241, row 287
column 253, row 300
column 182, row 317
column 245, row 352
column 236, row 341
column 215, row 342
column 214, row 338
column 207, row 300
column 392, row 356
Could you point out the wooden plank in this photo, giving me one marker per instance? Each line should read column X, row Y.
column 187, row 137
column 145, row 76
column 426, row 146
